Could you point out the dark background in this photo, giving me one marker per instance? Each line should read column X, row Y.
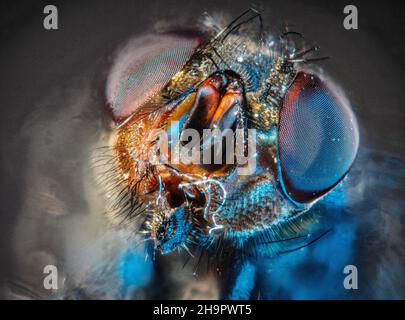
column 38, row 66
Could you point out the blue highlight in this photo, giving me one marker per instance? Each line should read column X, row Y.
column 133, row 270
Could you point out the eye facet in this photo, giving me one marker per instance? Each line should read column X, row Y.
column 144, row 67
column 318, row 138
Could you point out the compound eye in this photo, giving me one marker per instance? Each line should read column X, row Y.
column 143, row 67
column 318, row 138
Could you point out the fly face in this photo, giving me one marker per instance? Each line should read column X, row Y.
column 306, row 140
